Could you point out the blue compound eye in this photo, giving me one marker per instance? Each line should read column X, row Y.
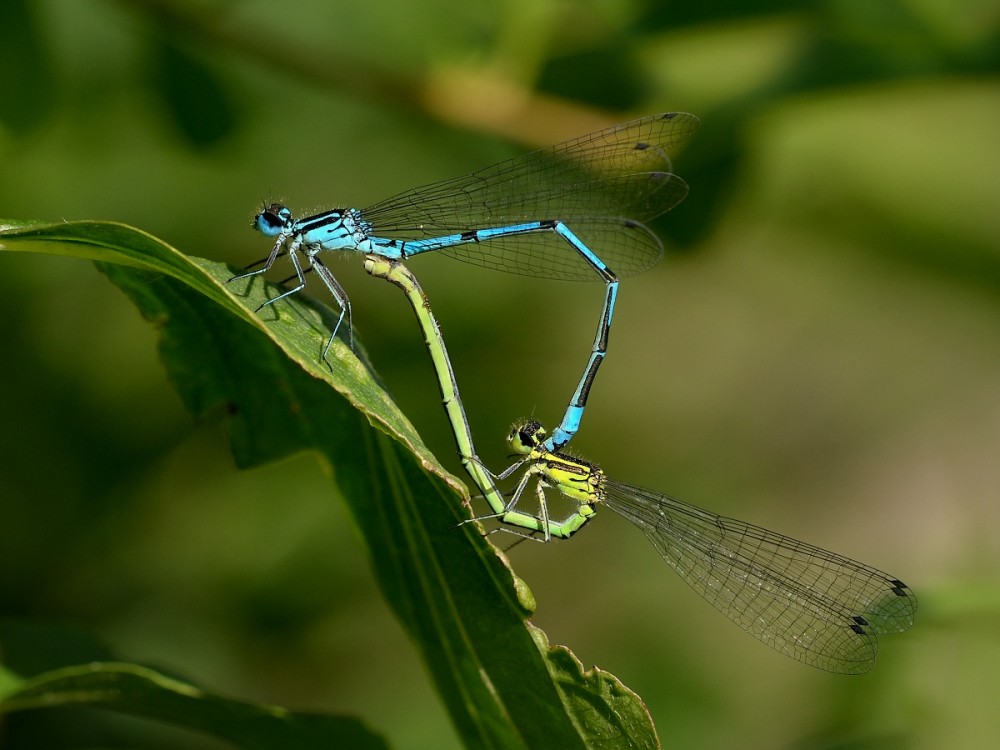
column 272, row 220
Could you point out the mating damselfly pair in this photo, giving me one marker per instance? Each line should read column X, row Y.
column 577, row 211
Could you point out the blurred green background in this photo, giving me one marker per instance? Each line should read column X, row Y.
column 819, row 353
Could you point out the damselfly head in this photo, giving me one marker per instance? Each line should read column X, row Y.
column 526, row 436
column 272, row 220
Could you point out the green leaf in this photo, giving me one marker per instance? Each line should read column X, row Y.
column 300, row 330
column 454, row 593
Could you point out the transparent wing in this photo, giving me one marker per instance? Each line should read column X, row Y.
column 621, row 173
column 816, row 606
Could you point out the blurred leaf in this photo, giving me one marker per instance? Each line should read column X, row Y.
column 712, row 161
column 659, row 16
column 140, row 691
column 608, row 77
column 24, row 68
column 199, row 104
column 455, row 595
column 30, row 648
